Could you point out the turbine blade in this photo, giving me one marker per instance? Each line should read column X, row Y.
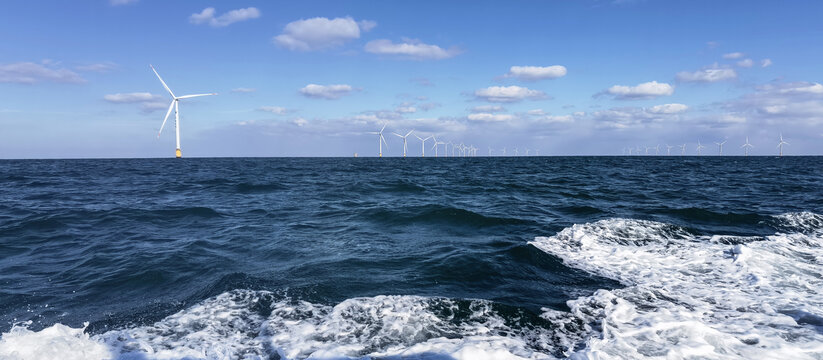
column 166, row 118
column 396, row 134
column 384, row 141
column 409, row 133
column 161, row 80
column 384, row 127
column 195, row 95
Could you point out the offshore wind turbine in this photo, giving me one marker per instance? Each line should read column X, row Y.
column 490, row 151
column 424, row 144
column 746, row 147
column 380, row 140
column 503, row 150
column 527, row 151
column 720, row 145
column 174, row 104
column 699, row 146
column 657, row 149
column 669, row 150
column 780, row 145
column 404, row 140
column 515, row 152
column 435, row 145
column 682, row 149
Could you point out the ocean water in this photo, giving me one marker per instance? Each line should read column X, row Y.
column 447, row 258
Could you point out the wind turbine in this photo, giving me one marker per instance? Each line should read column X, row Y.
column 424, row 144
column 404, row 140
column 682, row 149
column 174, row 104
column 536, row 152
column 699, row 146
column 647, row 150
column 515, row 152
column 527, row 151
column 720, row 145
column 657, row 149
column 435, row 145
column 381, row 140
column 490, row 151
column 669, row 150
column 504, row 151
column 780, row 145
column 746, row 146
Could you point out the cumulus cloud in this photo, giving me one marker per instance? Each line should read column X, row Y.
column 321, row 33
column 32, row 73
column 734, row 55
column 121, row 2
column 766, row 63
column 406, row 109
column 207, row 16
column 329, row 92
column 487, row 109
column 274, row 109
column 148, row 102
column 707, row 75
column 243, row 90
column 647, row 90
column 745, row 63
column 536, row 112
column 532, row 73
column 667, row 109
column 508, row 94
column 798, row 103
column 488, row 117
column 410, row 48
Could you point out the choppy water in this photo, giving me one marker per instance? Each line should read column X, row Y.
column 448, row 258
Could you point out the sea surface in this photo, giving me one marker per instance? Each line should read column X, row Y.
column 416, row 258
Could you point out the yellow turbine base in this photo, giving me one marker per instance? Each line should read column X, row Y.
column 178, row 154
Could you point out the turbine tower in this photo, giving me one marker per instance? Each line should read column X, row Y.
column 404, row 140
column 780, row 145
column 720, row 146
column 669, row 150
column 699, row 146
column 746, row 147
column 424, row 144
column 682, row 149
column 174, row 104
column 380, row 140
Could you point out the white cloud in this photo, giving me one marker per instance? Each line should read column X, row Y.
column 766, row 63
column 487, row 117
column 207, row 16
column 707, row 75
column 410, row 48
column 745, row 63
column 406, row 109
column 536, row 112
column 800, row 88
column 274, row 109
column 487, row 109
column 647, row 90
column 321, row 33
column 32, row 73
column 532, row 73
column 129, row 98
column 734, row 55
column 121, row 2
column 243, row 90
column 329, row 92
column 799, row 103
column 667, row 109
column 508, row 94
column 99, row 67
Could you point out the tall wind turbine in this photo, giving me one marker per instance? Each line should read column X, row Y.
column 669, row 150
column 381, row 140
column 424, row 144
column 174, row 104
column 515, row 152
column 490, row 151
column 504, row 151
column 404, row 140
column 780, row 145
column 720, row 146
column 699, row 146
column 434, row 139
column 746, row 146
column 682, row 149
column 657, row 149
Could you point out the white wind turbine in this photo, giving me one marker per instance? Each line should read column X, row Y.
column 174, row 104
column 657, row 149
column 490, row 151
column 720, row 146
column 404, row 140
column 381, row 140
column 515, row 152
column 746, row 147
column 434, row 138
column 424, row 144
column 527, row 151
column 780, row 145
column 504, row 151
column 536, row 152
column 699, row 146
column 682, row 149
column 669, row 150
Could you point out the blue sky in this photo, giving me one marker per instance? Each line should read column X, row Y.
column 313, row 78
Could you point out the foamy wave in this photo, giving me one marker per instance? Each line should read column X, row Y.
column 695, row 296
column 56, row 342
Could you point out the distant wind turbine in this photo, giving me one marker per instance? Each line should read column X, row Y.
column 423, row 153
column 174, row 104
column 404, row 140
column 504, row 151
column 699, row 146
column 669, row 150
column 490, row 151
column 746, row 147
column 682, row 149
column 657, row 149
column 380, row 140
column 780, row 145
column 720, row 146
column 527, row 151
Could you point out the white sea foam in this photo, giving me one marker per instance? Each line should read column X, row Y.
column 690, row 296
column 685, row 296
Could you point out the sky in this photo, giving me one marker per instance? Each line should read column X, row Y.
column 314, row 78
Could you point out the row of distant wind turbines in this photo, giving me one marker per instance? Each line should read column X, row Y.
column 460, row 149
column 746, row 146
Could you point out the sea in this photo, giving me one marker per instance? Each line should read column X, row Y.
column 645, row 257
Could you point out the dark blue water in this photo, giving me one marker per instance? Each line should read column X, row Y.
column 125, row 244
